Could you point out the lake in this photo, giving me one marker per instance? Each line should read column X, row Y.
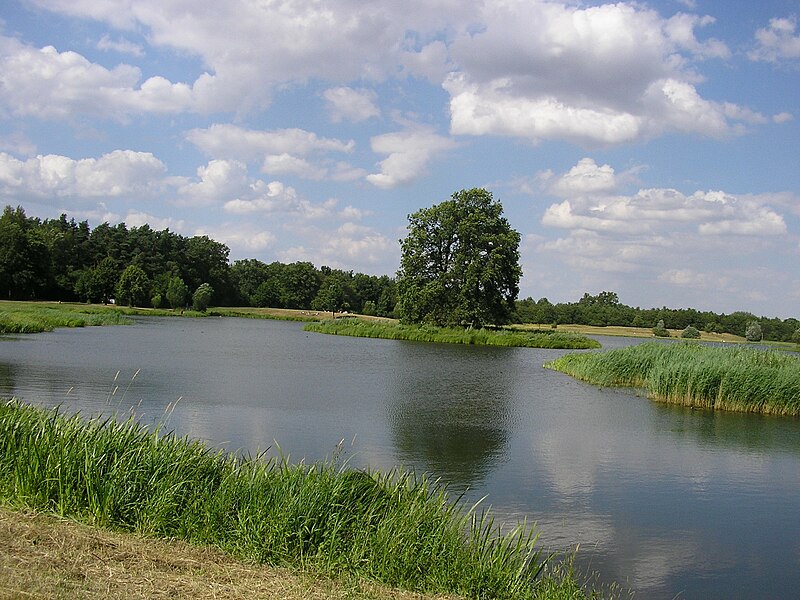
column 666, row 501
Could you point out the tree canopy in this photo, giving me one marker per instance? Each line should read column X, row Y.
column 459, row 263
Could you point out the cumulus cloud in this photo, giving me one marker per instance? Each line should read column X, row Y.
column 350, row 246
column 217, row 181
column 46, row 83
column 249, row 48
column 778, row 41
column 279, row 152
column 120, row 45
column 121, row 173
column 241, row 238
column 409, row 153
column 348, row 104
column 277, row 198
column 598, row 75
column 137, row 218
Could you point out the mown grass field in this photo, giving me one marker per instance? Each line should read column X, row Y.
column 394, row 529
column 738, row 378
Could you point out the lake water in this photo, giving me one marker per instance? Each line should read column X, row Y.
column 669, row 502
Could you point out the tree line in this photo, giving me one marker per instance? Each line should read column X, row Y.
column 605, row 309
column 447, row 250
column 62, row 260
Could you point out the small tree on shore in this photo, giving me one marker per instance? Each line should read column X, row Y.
column 753, row 332
column 660, row 330
column 690, row 333
column 177, row 292
column 202, row 297
column 133, row 286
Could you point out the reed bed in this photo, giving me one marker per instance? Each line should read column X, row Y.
column 393, row 528
column 739, row 379
column 37, row 319
column 429, row 333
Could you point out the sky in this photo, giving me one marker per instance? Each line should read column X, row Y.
column 646, row 148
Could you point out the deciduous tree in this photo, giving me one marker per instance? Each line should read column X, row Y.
column 460, row 263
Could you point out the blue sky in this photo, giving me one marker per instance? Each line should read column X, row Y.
column 647, row 148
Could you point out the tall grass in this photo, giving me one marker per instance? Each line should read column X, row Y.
column 429, row 333
column 741, row 378
column 36, row 319
column 392, row 528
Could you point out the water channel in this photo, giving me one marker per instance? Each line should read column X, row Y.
column 669, row 502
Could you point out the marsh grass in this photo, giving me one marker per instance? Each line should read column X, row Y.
column 393, row 528
column 36, row 319
column 429, row 333
column 738, row 378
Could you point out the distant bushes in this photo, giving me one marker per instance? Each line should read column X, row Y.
column 740, row 378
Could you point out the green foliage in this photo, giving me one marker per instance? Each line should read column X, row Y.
column 753, row 332
column 741, row 378
column 690, row 333
column 133, row 286
column 659, row 330
column 452, row 335
column 393, row 528
column 177, row 293
column 459, row 263
column 202, row 297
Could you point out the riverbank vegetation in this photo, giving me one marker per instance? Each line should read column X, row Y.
column 734, row 378
column 452, row 335
column 396, row 529
column 61, row 260
column 28, row 317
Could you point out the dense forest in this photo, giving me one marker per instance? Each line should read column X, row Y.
column 59, row 259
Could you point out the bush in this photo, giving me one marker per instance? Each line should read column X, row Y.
column 202, row 297
column 690, row 333
column 659, row 330
column 753, row 332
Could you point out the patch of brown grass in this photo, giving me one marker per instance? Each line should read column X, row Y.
column 45, row 557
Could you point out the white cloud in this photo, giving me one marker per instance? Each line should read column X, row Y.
column 233, row 142
column 409, row 153
column 585, row 178
column 242, row 239
column 286, row 164
column 777, row 41
column 46, row 83
column 120, row 45
column 348, row 104
column 136, row 218
column 277, row 198
column 249, row 47
column 216, row 182
column 351, row 246
column 121, row 173
column 600, row 75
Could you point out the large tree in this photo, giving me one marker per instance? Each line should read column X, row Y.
column 460, row 263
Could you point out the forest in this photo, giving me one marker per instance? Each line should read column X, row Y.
column 64, row 260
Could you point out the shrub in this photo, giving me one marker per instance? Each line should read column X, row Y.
column 690, row 333
column 659, row 330
column 753, row 332
column 202, row 297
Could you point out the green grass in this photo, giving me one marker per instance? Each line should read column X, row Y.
column 394, row 528
column 428, row 333
column 739, row 378
column 36, row 319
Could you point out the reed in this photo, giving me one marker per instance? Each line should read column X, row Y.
column 739, row 378
column 37, row 319
column 429, row 333
column 393, row 528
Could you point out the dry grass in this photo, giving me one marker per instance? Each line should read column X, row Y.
column 641, row 332
column 44, row 557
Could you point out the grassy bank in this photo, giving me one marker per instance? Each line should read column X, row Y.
column 427, row 333
column 29, row 317
column 691, row 374
column 394, row 529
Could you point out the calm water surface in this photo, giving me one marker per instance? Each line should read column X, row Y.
column 670, row 502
